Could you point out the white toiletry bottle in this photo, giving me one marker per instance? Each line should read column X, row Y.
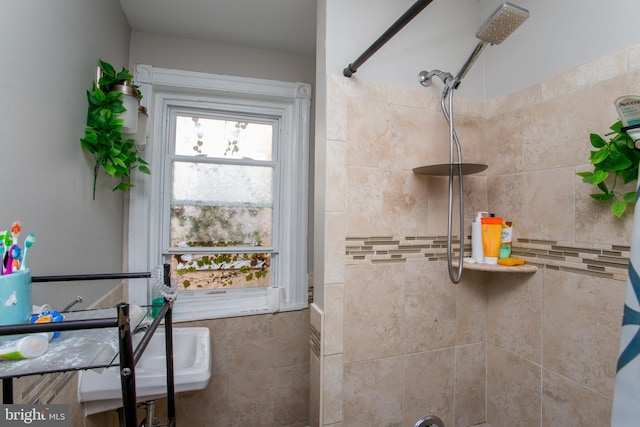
column 628, row 108
column 477, row 253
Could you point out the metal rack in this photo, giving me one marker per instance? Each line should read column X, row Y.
column 128, row 356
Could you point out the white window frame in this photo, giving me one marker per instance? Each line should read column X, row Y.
column 291, row 102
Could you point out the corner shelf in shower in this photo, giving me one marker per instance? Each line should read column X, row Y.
column 443, row 169
column 497, row 268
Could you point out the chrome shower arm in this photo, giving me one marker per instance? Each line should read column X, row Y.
column 450, row 82
column 468, row 63
column 424, row 77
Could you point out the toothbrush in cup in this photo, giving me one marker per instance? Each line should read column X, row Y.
column 16, row 256
column 15, row 231
column 6, row 248
column 9, row 266
column 28, row 241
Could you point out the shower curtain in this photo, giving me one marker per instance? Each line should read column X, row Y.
column 626, row 395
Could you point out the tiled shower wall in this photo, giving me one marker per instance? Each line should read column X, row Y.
column 398, row 340
column 553, row 338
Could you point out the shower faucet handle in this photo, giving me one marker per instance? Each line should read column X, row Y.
column 429, row 421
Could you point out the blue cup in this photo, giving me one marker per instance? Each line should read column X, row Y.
column 15, row 297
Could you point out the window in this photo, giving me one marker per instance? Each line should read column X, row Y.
column 221, row 199
column 226, row 201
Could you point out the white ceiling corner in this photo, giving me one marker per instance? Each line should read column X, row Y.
column 282, row 25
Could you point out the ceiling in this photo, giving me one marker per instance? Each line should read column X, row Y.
column 283, row 25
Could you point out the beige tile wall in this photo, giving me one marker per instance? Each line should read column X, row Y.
column 260, row 373
column 553, row 338
column 398, row 341
column 507, row 350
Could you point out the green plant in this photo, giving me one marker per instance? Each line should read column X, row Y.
column 116, row 153
column 617, row 158
column 224, row 268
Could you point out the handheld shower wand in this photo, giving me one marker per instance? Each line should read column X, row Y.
column 502, row 22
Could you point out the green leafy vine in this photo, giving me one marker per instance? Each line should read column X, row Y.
column 113, row 151
column 618, row 158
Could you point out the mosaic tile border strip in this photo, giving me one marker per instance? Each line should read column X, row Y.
column 314, row 341
column 600, row 260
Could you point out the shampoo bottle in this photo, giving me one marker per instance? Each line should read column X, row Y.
column 491, row 236
column 506, row 240
column 476, row 238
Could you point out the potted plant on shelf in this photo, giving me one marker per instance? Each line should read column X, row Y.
column 104, row 138
column 617, row 158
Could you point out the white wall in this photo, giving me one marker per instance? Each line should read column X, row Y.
column 49, row 52
column 559, row 35
column 440, row 37
column 219, row 58
column 319, row 159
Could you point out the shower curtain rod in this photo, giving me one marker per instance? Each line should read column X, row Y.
column 411, row 13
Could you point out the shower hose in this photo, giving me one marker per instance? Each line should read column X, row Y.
column 454, row 149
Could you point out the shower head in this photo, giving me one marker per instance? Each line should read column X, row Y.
column 502, row 23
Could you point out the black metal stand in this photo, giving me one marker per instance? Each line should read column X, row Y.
column 77, row 277
column 411, row 13
column 7, row 392
column 171, row 395
column 127, row 367
column 127, row 357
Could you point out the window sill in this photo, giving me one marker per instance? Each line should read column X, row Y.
column 222, row 303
